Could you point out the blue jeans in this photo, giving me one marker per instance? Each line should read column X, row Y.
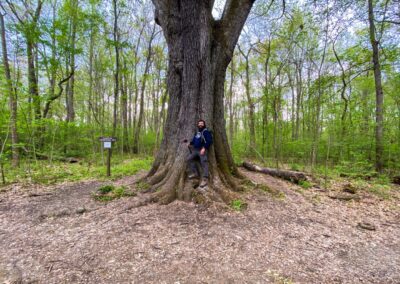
column 194, row 157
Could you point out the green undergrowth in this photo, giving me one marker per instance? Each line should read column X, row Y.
column 110, row 192
column 380, row 187
column 142, row 186
column 271, row 191
column 238, row 205
column 45, row 172
column 305, row 184
column 249, row 185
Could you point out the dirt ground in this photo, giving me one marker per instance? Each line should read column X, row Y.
column 60, row 234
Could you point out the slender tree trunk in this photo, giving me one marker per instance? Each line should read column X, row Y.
column 71, row 83
column 249, row 102
column 135, row 77
column 91, row 63
column 32, row 80
column 53, row 70
column 230, row 103
column 378, row 90
column 142, row 91
column 292, row 112
column 299, row 98
column 12, row 96
column 342, row 95
column 116, row 72
column 28, row 23
column 317, row 123
column 200, row 50
column 266, row 101
column 124, row 109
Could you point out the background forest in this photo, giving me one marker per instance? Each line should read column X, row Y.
column 313, row 85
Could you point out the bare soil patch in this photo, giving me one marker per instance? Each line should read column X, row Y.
column 60, row 234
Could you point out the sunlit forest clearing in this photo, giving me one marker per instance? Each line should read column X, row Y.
column 301, row 102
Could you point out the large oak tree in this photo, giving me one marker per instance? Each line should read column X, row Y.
column 200, row 49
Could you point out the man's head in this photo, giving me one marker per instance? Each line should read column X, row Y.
column 201, row 124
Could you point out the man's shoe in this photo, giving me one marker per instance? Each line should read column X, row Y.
column 204, row 182
column 193, row 176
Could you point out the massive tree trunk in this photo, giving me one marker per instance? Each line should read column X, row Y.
column 200, row 50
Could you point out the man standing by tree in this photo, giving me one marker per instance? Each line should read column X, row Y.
column 199, row 145
column 200, row 48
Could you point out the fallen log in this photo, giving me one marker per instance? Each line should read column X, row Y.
column 292, row 176
column 42, row 156
column 70, row 160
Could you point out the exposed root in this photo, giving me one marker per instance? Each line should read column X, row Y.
column 169, row 182
column 159, row 175
column 178, row 187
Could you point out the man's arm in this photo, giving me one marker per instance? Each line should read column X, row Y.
column 208, row 137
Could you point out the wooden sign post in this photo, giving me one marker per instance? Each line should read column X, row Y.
column 107, row 143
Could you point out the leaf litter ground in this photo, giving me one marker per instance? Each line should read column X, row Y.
column 60, row 234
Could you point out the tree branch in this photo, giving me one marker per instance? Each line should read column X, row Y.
column 231, row 24
column 61, row 89
column 14, row 11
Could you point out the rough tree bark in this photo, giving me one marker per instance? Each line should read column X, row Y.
column 200, row 50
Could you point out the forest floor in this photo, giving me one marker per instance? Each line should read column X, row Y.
column 60, row 234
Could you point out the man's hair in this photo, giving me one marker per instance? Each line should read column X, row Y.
column 201, row 120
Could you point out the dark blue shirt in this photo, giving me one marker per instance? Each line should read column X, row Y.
column 202, row 139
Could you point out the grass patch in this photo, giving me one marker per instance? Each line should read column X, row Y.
column 238, row 205
column 142, row 186
column 44, row 172
column 278, row 278
column 305, row 184
column 247, row 184
column 295, row 167
column 382, row 191
column 110, row 192
column 380, row 187
column 273, row 192
column 106, row 189
column 316, row 199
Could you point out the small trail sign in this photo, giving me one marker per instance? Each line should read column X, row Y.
column 107, row 144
